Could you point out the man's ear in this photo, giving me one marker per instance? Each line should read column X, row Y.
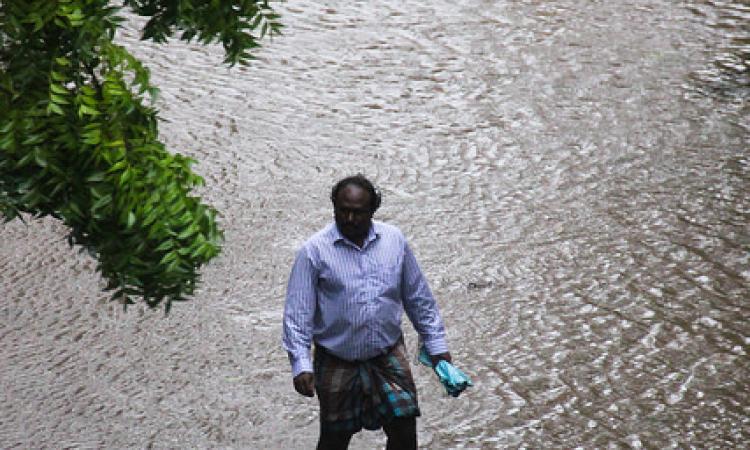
column 376, row 201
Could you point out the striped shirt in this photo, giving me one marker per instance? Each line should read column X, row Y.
column 350, row 300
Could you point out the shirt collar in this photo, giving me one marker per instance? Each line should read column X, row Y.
column 372, row 234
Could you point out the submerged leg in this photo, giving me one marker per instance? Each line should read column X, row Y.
column 332, row 440
column 402, row 433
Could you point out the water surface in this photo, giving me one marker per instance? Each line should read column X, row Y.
column 574, row 178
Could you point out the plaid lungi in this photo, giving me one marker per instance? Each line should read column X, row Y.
column 364, row 394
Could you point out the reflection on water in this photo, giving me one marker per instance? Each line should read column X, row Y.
column 575, row 182
column 729, row 23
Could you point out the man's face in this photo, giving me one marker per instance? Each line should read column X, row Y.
column 352, row 212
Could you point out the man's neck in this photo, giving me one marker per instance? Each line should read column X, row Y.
column 359, row 242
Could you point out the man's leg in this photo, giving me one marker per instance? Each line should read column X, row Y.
column 402, row 433
column 332, row 440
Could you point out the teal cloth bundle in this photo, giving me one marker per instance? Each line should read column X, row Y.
column 453, row 379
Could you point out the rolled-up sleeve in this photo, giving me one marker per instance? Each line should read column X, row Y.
column 299, row 311
column 420, row 305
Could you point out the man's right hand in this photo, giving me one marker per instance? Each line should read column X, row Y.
column 304, row 383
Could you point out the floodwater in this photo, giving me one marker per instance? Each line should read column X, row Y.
column 573, row 176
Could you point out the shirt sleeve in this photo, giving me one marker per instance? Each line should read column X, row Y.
column 299, row 311
column 420, row 305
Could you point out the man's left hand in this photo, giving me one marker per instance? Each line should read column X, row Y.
column 435, row 359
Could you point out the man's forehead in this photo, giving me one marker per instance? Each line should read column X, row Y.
column 352, row 193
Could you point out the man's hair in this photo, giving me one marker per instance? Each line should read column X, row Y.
column 364, row 183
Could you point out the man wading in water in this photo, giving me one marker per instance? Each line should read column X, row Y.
column 349, row 285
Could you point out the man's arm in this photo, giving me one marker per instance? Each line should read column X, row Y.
column 422, row 309
column 299, row 311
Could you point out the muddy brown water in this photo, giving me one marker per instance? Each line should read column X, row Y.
column 573, row 176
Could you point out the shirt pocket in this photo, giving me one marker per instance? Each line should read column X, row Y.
column 388, row 279
column 331, row 282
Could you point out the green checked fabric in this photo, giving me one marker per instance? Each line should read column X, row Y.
column 364, row 394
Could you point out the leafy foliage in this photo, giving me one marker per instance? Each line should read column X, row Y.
column 209, row 21
column 79, row 141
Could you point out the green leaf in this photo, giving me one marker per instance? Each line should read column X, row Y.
column 115, row 143
column 89, row 101
column 96, row 177
column 58, row 99
column 33, row 139
column 125, row 176
column 131, row 220
column 56, row 88
column 191, row 230
column 102, row 202
column 88, row 91
column 54, row 108
column 164, row 246
column 7, row 142
column 151, row 216
column 171, row 256
column 25, row 160
column 7, row 127
column 92, row 137
column 87, row 110
column 118, row 166
column 40, row 159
